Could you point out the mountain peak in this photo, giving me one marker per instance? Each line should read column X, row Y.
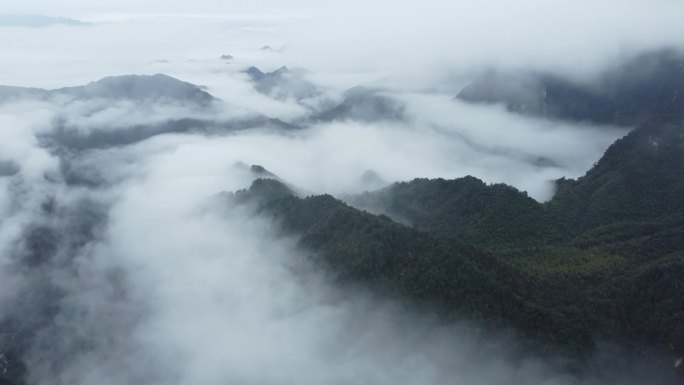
column 254, row 73
column 280, row 71
column 140, row 87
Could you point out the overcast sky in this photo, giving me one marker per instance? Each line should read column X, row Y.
column 413, row 39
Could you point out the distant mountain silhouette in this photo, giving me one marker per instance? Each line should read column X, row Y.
column 156, row 89
column 649, row 86
column 37, row 21
column 141, row 87
column 282, row 84
column 365, row 105
column 130, row 87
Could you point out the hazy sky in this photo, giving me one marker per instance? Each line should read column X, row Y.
column 413, row 39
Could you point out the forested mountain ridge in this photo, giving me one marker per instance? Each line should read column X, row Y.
column 404, row 263
column 602, row 260
column 157, row 87
column 614, row 237
column 639, row 178
column 467, row 208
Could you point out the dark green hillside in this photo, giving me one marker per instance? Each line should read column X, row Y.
column 602, row 259
column 467, row 208
column 640, row 178
column 635, row 186
column 439, row 271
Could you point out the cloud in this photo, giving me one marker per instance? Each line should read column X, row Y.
column 434, row 136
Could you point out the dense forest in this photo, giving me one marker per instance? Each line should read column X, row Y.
column 601, row 261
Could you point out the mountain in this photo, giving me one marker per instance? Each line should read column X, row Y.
column 282, row 84
column 9, row 93
column 67, row 137
column 441, row 273
column 364, row 105
column 153, row 88
column 358, row 104
column 37, row 21
column 467, row 208
column 187, row 101
column 640, row 178
column 602, row 260
column 141, row 87
column 648, row 86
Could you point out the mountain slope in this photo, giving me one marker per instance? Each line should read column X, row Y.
column 439, row 272
column 568, row 273
column 640, row 178
column 467, row 208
